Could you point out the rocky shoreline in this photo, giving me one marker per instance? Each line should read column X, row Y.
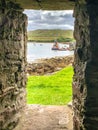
column 48, row 66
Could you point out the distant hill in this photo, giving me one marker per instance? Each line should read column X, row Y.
column 50, row 35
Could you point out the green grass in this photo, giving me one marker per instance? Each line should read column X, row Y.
column 54, row 89
column 50, row 35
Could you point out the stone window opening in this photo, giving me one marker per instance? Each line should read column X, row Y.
column 42, row 108
column 13, row 32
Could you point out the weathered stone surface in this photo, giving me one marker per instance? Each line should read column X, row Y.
column 12, row 64
column 47, row 4
column 40, row 117
column 85, row 81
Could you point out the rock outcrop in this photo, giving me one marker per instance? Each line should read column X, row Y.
column 48, row 66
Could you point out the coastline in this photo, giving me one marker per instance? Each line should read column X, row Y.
column 48, row 65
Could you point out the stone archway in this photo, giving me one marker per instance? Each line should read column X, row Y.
column 12, row 63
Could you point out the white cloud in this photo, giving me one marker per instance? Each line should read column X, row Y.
column 38, row 19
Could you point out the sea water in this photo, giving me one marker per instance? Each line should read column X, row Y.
column 43, row 50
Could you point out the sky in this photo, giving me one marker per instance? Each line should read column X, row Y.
column 39, row 19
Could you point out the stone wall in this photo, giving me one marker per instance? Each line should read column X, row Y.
column 47, row 4
column 85, row 81
column 13, row 38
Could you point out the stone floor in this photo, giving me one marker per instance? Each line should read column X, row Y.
column 40, row 117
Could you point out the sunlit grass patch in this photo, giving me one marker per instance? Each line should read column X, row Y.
column 54, row 89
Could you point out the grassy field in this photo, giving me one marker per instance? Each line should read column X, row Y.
column 53, row 89
column 50, row 35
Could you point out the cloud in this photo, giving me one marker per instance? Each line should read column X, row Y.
column 38, row 19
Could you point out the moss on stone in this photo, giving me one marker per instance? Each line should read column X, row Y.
column 47, row 4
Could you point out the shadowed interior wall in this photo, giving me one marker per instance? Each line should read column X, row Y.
column 85, row 83
column 13, row 37
column 46, row 4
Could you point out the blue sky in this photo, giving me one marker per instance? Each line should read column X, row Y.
column 39, row 19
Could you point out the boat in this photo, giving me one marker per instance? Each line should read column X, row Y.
column 59, row 49
column 56, row 47
column 63, row 49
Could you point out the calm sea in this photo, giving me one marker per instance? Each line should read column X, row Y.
column 43, row 50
